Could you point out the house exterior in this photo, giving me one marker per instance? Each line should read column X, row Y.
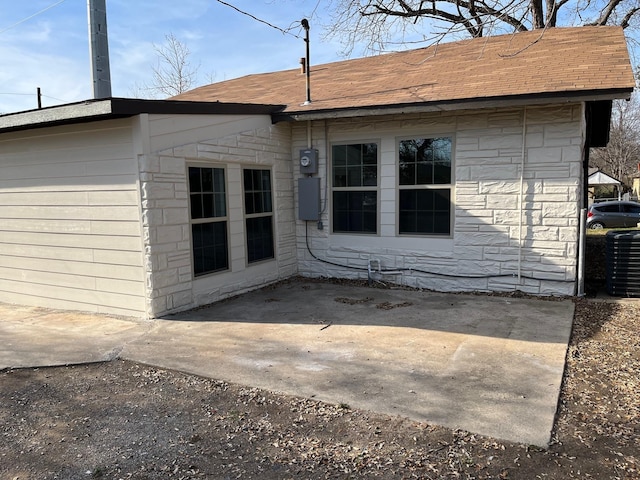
column 459, row 167
column 598, row 178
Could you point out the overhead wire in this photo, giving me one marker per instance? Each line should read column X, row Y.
column 282, row 30
column 32, row 16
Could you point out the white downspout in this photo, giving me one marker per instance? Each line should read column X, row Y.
column 521, row 194
column 581, row 252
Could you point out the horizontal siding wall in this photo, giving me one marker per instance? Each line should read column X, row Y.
column 232, row 143
column 486, row 249
column 70, row 219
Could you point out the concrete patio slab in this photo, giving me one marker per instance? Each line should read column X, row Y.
column 488, row 364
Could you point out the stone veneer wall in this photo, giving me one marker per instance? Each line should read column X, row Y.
column 165, row 216
column 486, row 240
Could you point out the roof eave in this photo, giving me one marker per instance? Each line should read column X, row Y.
column 452, row 105
column 110, row 108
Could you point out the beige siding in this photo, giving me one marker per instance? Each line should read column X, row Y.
column 230, row 142
column 487, row 250
column 170, row 131
column 70, row 219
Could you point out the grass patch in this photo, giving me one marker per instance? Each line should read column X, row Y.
column 603, row 231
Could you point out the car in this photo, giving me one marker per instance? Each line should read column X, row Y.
column 613, row 214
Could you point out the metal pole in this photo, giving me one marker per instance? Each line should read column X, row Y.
column 39, row 94
column 99, row 48
column 305, row 25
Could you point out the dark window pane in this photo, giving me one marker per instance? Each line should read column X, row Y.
column 259, row 238
column 355, row 211
column 407, row 221
column 249, row 206
column 355, row 165
column 207, row 189
column 257, row 191
column 207, row 179
column 339, row 155
column 615, row 208
column 248, row 179
column 207, row 205
column 425, row 212
column 210, row 248
column 219, row 205
column 424, row 173
column 196, row 205
column 370, row 154
column 354, row 176
column 258, row 199
column 266, row 202
column 266, row 180
column 208, row 200
column 370, row 175
column 424, row 161
column 354, row 154
column 194, row 180
column 407, row 173
column 339, row 176
column 257, row 179
column 442, row 199
column 218, row 180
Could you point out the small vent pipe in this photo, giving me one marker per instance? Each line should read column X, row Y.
column 305, row 25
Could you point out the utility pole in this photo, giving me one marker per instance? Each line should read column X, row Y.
column 99, row 48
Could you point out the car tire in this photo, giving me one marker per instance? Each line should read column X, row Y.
column 596, row 226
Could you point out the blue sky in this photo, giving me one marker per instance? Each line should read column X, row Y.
column 51, row 50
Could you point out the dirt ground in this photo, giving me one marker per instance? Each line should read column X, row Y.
column 121, row 420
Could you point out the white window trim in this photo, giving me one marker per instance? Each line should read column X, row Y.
column 451, row 186
column 200, row 221
column 377, row 189
column 246, row 216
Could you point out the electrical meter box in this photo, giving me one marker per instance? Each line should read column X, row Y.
column 309, row 198
column 309, row 161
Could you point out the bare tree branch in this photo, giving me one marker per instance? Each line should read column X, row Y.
column 376, row 22
column 606, row 12
column 173, row 73
column 622, row 155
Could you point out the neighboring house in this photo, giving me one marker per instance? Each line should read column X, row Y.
column 598, row 178
column 459, row 167
column 635, row 188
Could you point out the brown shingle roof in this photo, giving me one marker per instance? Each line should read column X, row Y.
column 559, row 61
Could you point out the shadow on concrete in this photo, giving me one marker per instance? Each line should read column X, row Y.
column 302, row 301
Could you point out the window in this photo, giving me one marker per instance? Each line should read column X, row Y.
column 355, row 192
column 613, row 208
column 258, row 211
column 424, row 173
column 208, row 220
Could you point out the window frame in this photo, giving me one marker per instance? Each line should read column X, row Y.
column 207, row 220
column 248, row 216
column 426, row 186
column 362, row 188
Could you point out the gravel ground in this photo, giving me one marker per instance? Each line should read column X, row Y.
column 121, row 420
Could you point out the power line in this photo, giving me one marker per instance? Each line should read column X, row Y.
column 32, row 95
column 31, row 16
column 286, row 32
